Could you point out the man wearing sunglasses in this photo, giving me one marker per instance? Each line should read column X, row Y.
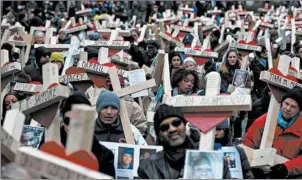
column 170, row 129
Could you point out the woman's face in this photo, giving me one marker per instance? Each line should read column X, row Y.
column 9, row 101
column 189, row 65
column 232, row 58
column 176, row 62
column 186, row 84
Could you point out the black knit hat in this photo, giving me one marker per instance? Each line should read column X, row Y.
column 91, row 52
column 39, row 52
column 295, row 94
column 165, row 111
column 75, row 98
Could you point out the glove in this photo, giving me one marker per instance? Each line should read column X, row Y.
column 279, row 171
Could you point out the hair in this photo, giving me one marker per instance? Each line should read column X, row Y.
column 13, row 93
column 38, row 33
column 225, row 64
column 181, row 74
column 171, row 55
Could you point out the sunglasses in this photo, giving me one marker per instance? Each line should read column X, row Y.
column 165, row 127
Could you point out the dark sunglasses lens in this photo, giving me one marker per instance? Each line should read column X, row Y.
column 164, row 127
column 176, row 123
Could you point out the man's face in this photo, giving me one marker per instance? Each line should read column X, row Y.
column 203, row 171
column 172, row 131
column 146, row 155
column 39, row 39
column 127, row 159
column 108, row 115
column 289, row 108
column 151, row 51
column 240, row 79
column 62, row 35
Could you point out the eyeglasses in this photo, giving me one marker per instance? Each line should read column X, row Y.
column 165, row 127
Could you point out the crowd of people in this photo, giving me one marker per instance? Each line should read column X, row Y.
column 172, row 131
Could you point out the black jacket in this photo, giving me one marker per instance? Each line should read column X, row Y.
column 104, row 156
column 169, row 164
column 109, row 133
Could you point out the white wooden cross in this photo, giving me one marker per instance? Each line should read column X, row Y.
column 11, row 133
column 8, row 69
column 266, row 155
column 125, row 91
column 210, row 108
column 42, row 106
column 64, row 166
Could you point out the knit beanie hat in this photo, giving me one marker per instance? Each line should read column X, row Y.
column 107, row 98
column 190, row 59
column 75, row 98
column 57, row 56
column 92, row 52
column 295, row 94
column 165, row 111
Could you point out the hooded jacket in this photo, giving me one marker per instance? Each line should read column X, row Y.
column 169, row 163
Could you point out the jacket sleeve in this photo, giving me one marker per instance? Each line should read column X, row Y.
column 137, row 117
column 294, row 166
column 246, row 168
column 253, row 136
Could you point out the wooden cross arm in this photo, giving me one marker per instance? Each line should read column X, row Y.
column 80, row 77
column 192, row 104
column 9, row 145
column 111, row 44
column 26, row 87
column 10, row 69
column 263, row 157
column 135, row 88
column 43, row 99
column 190, row 51
column 51, row 166
column 278, row 80
column 54, row 47
column 246, row 47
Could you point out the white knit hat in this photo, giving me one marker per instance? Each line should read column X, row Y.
column 190, row 59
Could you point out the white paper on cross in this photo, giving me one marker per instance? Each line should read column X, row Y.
column 73, row 50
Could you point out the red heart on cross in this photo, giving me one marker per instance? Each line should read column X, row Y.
column 206, row 121
column 81, row 157
column 98, row 80
column 277, row 72
column 175, row 38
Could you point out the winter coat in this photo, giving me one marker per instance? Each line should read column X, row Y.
column 104, row 156
column 169, row 163
column 136, row 115
column 287, row 142
column 115, row 132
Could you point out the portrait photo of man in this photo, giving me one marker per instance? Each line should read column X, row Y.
column 125, row 160
column 147, row 153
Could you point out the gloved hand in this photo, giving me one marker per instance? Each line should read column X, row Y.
column 279, row 171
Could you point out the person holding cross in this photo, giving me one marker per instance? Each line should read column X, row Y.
column 104, row 156
column 108, row 125
column 288, row 136
column 170, row 129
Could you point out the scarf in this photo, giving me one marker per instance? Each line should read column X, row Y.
column 285, row 124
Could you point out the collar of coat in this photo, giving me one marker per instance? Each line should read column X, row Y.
column 101, row 127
